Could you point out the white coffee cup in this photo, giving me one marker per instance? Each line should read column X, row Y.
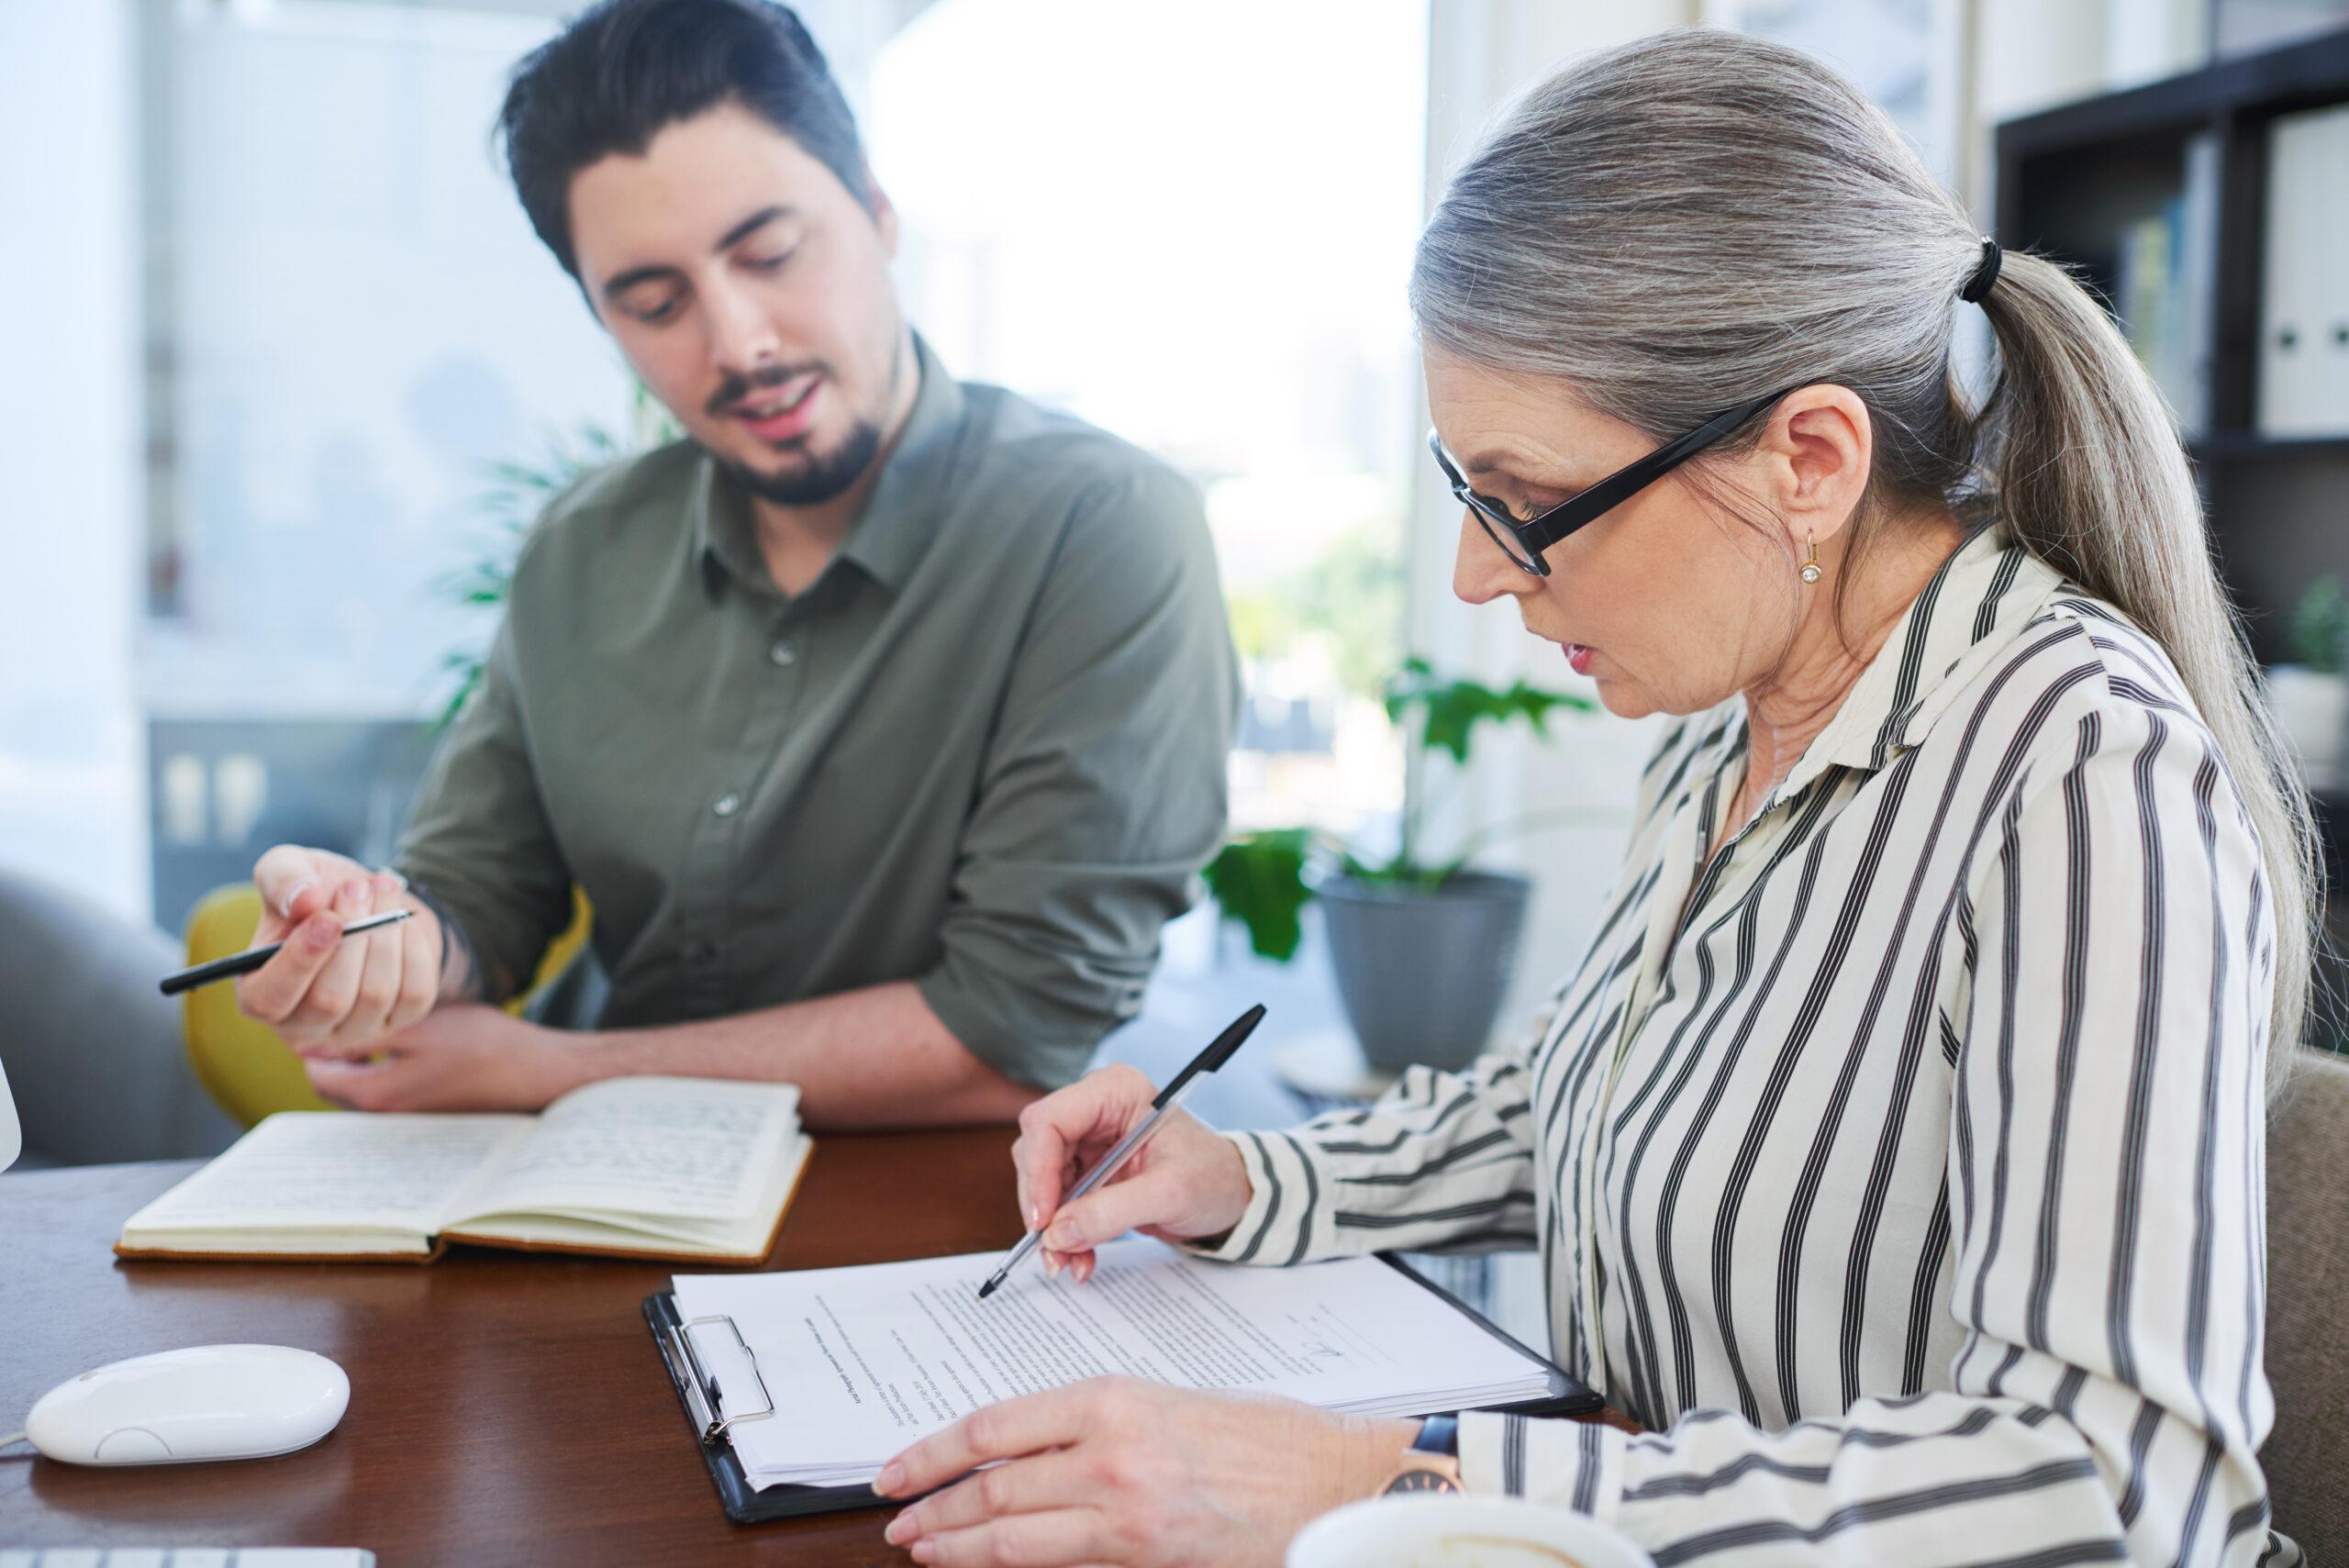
column 1459, row 1530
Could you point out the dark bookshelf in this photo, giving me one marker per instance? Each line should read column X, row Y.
column 2070, row 181
column 2248, row 446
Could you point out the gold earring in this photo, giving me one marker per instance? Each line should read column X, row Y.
column 1811, row 570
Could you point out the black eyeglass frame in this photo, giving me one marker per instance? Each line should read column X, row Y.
column 1534, row 535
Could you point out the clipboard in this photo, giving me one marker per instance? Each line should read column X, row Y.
column 680, row 1342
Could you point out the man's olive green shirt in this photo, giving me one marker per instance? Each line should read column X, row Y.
column 984, row 752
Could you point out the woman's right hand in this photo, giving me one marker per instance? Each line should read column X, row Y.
column 1186, row 1184
column 329, row 998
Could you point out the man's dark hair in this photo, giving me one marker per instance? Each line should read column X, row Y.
column 625, row 69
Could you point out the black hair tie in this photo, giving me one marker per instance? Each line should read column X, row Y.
column 1978, row 285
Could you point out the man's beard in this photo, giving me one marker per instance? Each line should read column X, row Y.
column 821, row 478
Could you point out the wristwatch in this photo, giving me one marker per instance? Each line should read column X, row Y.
column 1432, row 1462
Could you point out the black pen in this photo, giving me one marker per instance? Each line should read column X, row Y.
column 1168, row 1099
column 245, row 962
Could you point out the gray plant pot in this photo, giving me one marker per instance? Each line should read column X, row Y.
column 1422, row 974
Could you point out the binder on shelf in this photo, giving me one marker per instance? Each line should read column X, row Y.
column 2163, row 286
column 2198, row 283
column 684, row 1345
column 2304, row 283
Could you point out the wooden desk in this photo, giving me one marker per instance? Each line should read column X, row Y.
column 504, row 1407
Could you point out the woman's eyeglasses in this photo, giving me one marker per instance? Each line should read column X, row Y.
column 1524, row 542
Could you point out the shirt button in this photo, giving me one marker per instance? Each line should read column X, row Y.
column 703, row 953
column 727, row 804
column 784, row 655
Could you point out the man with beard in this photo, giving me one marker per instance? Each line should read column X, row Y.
column 882, row 720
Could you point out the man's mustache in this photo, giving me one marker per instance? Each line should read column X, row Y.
column 735, row 388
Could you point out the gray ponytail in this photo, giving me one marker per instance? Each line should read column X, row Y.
column 2089, row 474
column 1700, row 216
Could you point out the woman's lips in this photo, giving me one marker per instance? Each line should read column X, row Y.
column 1578, row 655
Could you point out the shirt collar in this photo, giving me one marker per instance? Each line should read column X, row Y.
column 1973, row 608
column 898, row 518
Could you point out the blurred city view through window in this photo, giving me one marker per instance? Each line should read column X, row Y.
column 349, row 325
column 1164, row 216
column 354, row 323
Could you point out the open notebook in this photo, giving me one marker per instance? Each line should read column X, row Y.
column 688, row 1169
column 855, row 1364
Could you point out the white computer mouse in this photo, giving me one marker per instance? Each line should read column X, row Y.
column 202, row 1403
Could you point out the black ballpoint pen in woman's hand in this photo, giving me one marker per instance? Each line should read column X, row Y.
column 1167, row 1102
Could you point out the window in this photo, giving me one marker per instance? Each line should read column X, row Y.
column 1190, row 221
column 350, row 323
column 353, row 322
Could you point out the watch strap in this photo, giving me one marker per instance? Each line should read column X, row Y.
column 1439, row 1434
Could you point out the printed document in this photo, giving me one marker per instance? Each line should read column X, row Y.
column 862, row 1362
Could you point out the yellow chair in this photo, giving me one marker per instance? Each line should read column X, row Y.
column 241, row 1062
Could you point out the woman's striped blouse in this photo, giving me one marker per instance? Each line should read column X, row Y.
column 1900, row 1166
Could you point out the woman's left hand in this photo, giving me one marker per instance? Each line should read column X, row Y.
column 1119, row 1471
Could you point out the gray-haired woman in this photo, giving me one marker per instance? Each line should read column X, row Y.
column 1895, row 1151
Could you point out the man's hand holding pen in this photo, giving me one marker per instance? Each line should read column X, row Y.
column 385, row 1020
column 332, row 998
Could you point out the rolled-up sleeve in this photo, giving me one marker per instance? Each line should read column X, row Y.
column 1102, row 789
column 478, row 842
column 2105, row 1178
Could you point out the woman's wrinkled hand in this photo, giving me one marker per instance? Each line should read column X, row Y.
column 1117, row 1471
column 1186, row 1184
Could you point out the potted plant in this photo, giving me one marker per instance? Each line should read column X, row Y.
column 2310, row 697
column 518, row 494
column 1423, row 947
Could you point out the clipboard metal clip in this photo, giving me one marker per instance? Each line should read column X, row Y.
column 707, row 1397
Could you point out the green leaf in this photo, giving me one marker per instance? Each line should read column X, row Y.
column 517, row 494
column 1258, row 878
column 464, row 694
column 1449, row 711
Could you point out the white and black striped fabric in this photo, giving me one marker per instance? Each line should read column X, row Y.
column 1900, row 1167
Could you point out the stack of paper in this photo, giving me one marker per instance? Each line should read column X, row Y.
column 862, row 1362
